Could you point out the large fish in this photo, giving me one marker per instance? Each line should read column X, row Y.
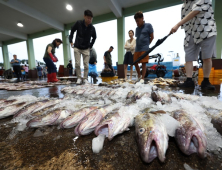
column 53, row 117
column 217, row 122
column 46, row 104
column 190, row 135
column 151, row 137
column 11, row 110
column 8, row 103
column 89, row 122
column 42, row 111
column 76, row 117
column 131, row 94
column 112, row 125
column 28, row 109
column 161, row 96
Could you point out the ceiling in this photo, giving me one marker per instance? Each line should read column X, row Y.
column 39, row 15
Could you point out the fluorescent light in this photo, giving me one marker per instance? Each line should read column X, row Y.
column 69, row 7
column 20, row 24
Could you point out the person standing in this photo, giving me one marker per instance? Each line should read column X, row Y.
column 108, row 58
column 16, row 67
column 50, row 57
column 26, row 71
column 201, row 32
column 39, row 71
column 92, row 64
column 130, row 46
column 83, row 43
column 70, row 67
column 145, row 35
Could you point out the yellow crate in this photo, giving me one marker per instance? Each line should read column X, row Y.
column 200, row 72
column 106, row 79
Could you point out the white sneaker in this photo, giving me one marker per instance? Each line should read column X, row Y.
column 78, row 81
column 141, row 81
column 85, row 81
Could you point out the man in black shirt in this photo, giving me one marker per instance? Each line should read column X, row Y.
column 70, row 67
column 85, row 31
column 108, row 58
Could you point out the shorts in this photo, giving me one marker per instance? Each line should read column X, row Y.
column 207, row 48
column 138, row 54
column 128, row 58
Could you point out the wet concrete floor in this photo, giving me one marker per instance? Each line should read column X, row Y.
column 56, row 149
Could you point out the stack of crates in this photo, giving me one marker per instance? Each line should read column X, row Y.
column 218, row 73
column 212, row 73
column 169, row 68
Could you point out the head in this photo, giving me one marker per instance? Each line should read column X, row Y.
column 88, row 16
column 70, row 61
column 131, row 33
column 111, row 48
column 38, row 65
column 139, row 19
column 15, row 56
column 56, row 42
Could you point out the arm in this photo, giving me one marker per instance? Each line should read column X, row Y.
column 94, row 38
column 54, row 59
column 95, row 55
column 151, row 37
column 104, row 58
column 190, row 16
column 73, row 29
column 126, row 46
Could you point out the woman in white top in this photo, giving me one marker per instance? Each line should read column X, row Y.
column 130, row 49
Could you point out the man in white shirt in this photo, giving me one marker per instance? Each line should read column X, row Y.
column 200, row 29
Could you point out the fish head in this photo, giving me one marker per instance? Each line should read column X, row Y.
column 190, row 135
column 151, row 137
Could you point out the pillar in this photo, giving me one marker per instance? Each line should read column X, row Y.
column 121, row 38
column 6, row 61
column 31, row 54
column 218, row 18
column 66, row 47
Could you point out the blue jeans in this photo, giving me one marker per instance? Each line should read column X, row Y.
column 51, row 67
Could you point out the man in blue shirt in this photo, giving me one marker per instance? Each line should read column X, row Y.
column 144, row 34
column 16, row 67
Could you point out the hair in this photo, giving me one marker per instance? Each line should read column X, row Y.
column 88, row 13
column 131, row 31
column 56, row 40
column 14, row 55
column 38, row 64
column 139, row 14
column 111, row 47
column 25, row 65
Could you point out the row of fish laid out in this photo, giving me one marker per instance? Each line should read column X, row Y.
column 29, row 85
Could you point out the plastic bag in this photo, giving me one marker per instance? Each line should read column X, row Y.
column 92, row 70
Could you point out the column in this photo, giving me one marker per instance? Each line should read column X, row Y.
column 218, row 18
column 66, row 47
column 121, row 38
column 31, row 54
column 6, row 61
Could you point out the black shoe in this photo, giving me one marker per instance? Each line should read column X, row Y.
column 187, row 84
column 206, row 85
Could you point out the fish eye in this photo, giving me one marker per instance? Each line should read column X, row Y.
column 141, row 131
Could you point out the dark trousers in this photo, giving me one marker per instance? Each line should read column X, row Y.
column 17, row 71
column 51, row 67
column 70, row 72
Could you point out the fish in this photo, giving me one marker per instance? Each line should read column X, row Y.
column 190, row 136
column 52, row 117
column 185, row 96
column 130, row 95
column 217, row 122
column 89, row 122
column 80, row 92
column 146, row 95
column 46, row 104
column 151, row 137
column 8, row 103
column 28, row 109
column 112, row 125
column 138, row 95
column 161, row 96
column 11, row 110
column 40, row 112
column 76, row 117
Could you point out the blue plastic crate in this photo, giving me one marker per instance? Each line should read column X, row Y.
column 115, row 67
column 169, row 74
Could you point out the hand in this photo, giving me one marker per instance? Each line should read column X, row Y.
column 95, row 63
column 71, row 45
column 174, row 29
